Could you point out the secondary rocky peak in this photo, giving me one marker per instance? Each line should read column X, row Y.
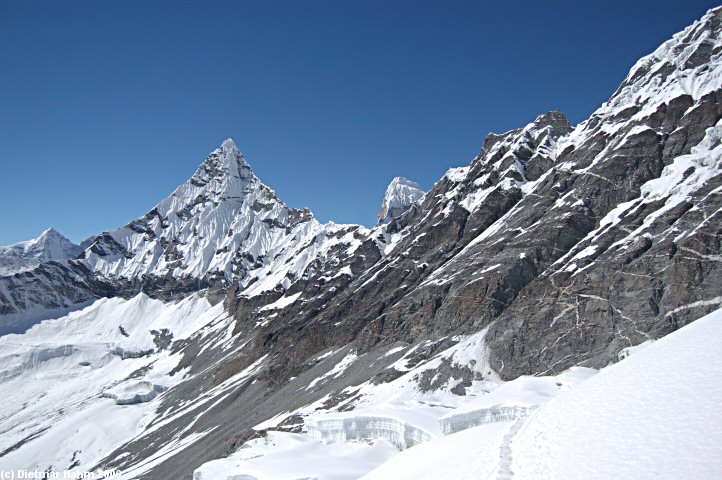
column 556, row 120
column 554, row 123
column 523, row 153
column 400, row 195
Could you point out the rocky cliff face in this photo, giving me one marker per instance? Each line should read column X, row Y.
column 557, row 246
column 634, row 188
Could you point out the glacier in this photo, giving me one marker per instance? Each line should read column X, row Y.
column 86, row 399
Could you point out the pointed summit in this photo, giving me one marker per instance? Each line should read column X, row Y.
column 233, row 155
column 50, row 232
column 51, row 245
column 400, row 195
column 225, row 171
column 229, row 145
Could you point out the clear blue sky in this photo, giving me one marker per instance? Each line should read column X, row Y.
column 107, row 106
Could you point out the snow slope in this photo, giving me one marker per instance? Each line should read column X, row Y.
column 281, row 456
column 656, row 414
column 470, row 454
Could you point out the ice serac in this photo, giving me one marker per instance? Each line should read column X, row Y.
column 400, row 195
column 23, row 256
column 358, row 426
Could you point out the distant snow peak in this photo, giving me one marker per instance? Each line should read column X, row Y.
column 400, row 195
column 22, row 256
column 52, row 245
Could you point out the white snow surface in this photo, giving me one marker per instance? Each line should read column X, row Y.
column 23, row 256
column 285, row 456
column 654, row 415
column 511, row 400
column 467, row 455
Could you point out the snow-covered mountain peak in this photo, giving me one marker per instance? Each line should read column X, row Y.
column 233, row 158
column 229, row 144
column 403, row 181
column 52, row 245
column 400, row 195
column 221, row 213
column 22, row 256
